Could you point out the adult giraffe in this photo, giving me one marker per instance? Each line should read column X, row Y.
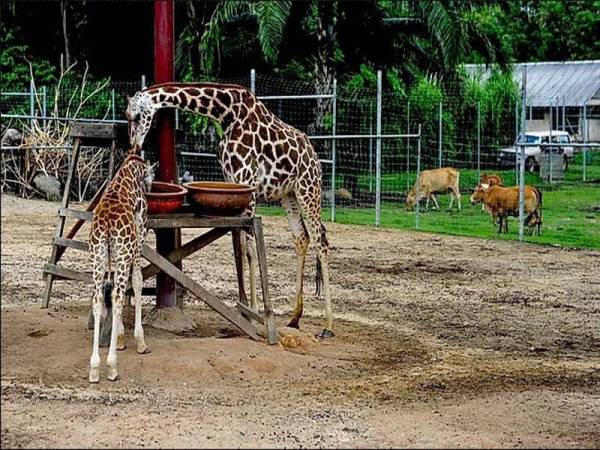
column 259, row 150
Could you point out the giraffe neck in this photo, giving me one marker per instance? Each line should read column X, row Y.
column 220, row 102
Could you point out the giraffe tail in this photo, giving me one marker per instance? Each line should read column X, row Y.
column 319, row 267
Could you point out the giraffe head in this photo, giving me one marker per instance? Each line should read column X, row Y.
column 142, row 170
column 139, row 113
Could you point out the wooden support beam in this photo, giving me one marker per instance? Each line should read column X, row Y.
column 250, row 313
column 231, row 315
column 189, row 221
column 68, row 274
column 77, row 225
column 71, row 243
column 264, row 281
column 76, row 214
column 92, row 130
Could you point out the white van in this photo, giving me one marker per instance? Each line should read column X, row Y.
column 532, row 154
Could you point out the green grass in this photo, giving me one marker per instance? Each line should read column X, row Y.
column 397, row 182
column 568, row 214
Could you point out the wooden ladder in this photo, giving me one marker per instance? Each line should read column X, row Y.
column 80, row 133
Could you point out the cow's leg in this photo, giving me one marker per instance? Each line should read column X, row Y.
column 427, row 203
column 451, row 200
column 457, row 195
column 435, row 202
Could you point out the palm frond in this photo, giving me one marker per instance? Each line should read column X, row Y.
column 445, row 25
column 223, row 13
column 271, row 17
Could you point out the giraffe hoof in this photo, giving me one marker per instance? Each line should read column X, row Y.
column 121, row 345
column 325, row 334
column 94, row 375
column 143, row 350
column 113, row 375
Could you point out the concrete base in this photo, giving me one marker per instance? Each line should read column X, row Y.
column 173, row 320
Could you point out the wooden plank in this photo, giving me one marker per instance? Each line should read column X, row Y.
column 69, row 274
column 71, row 243
column 192, row 286
column 264, row 281
column 173, row 221
column 60, row 225
column 77, row 225
column 239, row 266
column 92, row 130
column 185, row 250
column 76, row 214
column 247, row 311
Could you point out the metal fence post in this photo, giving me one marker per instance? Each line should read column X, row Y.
column 550, row 120
column 417, row 181
column 408, row 146
column 44, row 105
column 333, row 148
column 563, row 114
column 378, row 154
column 31, row 103
column 516, row 140
column 440, row 125
column 585, row 139
column 253, row 80
column 478, row 141
column 371, row 158
column 522, row 151
column 113, row 104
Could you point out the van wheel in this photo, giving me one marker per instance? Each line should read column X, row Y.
column 530, row 164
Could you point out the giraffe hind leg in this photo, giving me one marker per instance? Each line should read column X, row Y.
column 100, row 262
column 310, row 204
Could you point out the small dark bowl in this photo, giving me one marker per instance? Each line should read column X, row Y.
column 218, row 199
column 165, row 198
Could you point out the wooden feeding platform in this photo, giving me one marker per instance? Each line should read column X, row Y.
column 241, row 316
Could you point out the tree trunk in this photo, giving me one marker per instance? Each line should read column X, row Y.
column 63, row 13
column 324, row 65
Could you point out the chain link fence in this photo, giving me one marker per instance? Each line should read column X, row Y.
column 367, row 139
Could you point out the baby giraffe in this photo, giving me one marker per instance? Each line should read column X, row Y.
column 116, row 239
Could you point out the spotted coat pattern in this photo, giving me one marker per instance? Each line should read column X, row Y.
column 257, row 149
column 117, row 235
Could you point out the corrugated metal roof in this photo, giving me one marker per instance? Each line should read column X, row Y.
column 572, row 83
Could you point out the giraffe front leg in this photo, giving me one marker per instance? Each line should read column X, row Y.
column 301, row 241
column 249, row 249
column 138, row 332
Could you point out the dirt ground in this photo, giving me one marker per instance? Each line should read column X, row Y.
column 440, row 342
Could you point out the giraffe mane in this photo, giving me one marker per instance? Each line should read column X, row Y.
column 196, row 85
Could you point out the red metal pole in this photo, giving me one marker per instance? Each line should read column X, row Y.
column 166, row 240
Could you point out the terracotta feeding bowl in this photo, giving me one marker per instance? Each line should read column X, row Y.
column 214, row 198
column 165, row 198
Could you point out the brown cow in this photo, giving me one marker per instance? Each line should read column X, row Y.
column 435, row 181
column 502, row 202
column 489, row 180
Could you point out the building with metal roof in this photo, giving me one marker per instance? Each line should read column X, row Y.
column 562, row 95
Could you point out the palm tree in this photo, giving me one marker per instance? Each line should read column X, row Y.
column 271, row 17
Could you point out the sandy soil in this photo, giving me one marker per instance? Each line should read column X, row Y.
column 440, row 342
